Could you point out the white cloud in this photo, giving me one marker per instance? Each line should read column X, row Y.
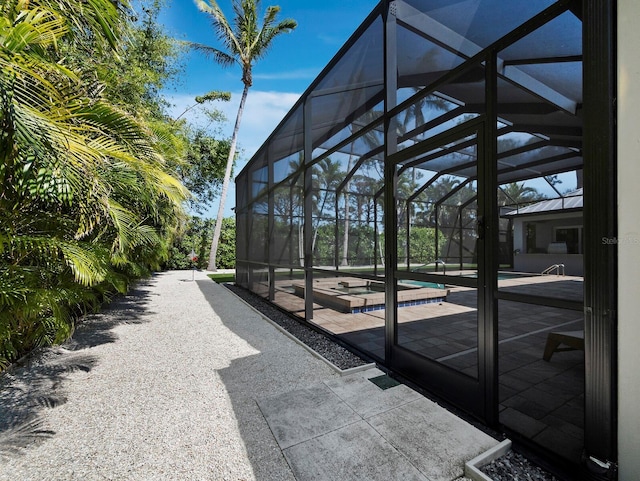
column 262, row 113
column 332, row 40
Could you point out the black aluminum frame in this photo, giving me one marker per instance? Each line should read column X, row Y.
column 600, row 216
column 460, row 389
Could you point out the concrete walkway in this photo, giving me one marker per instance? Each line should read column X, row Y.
column 180, row 380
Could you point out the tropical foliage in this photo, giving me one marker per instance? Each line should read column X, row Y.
column 89, row 200
column 195, row 236
column 516, row 193
column 203, row 169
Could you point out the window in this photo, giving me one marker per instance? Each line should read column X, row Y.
column 572, row 236
column 531, row 238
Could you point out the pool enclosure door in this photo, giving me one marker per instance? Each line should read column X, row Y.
column 440, row 192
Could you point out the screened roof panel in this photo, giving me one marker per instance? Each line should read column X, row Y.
column 420, row 60
column 453, row 158
column 289, row 137
column 449, row 105
column 467, row 90
column 520, row 84
column 539, row 87
column 561, row 37
column 507, row 175
column 534, row 155
column 565, row 77
column 525, row 111
column 359, row 146
column 337, row 116
column 481, row 22
column 353, row 86
column 556, row 126
column 361, row 64
column 450, row 163
column 551, row 55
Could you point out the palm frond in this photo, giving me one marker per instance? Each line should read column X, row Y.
column 220, row 25
column 34, row 28
column 103, row 18
column 219, row 56
column 88, row 264
column 88, row 202
column 268, row 34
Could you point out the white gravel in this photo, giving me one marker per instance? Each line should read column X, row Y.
column 161, row 386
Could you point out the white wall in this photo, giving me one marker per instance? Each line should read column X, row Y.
column 629, row 233
column 544, row 230
column 518, row 236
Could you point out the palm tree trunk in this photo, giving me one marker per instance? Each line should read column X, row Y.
column 345, row 238
column 213, row 253
column 301, row 245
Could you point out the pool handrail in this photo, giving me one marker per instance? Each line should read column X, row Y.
column 435, row 263
column 559, row 268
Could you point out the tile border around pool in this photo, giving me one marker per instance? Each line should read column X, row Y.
column 379, row 307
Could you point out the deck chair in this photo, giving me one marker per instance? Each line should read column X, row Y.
column 574, row 340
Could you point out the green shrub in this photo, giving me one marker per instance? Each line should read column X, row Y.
column 196, row 237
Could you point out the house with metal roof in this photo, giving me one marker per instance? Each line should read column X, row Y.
column 548, row 235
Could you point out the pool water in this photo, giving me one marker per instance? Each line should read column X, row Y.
column 433, row 285
column 503, row 276
column 380, row 288
column 355, row 290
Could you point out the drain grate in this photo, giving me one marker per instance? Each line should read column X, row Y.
column 384, row 381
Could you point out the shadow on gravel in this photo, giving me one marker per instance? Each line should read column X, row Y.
column 265, row 368
column 36, row 383
column 95, row 329
column 242, row 381
column 28, row 390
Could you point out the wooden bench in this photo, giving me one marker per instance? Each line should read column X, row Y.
column 573, row 339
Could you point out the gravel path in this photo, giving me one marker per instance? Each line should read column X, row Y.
column 160, row 386
column 338, row 355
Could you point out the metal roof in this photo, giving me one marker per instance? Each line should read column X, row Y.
column 572, row 200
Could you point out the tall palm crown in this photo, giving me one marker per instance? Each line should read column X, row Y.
column 245, row 42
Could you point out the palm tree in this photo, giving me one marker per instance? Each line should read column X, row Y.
column 517, row 193
column 245, row 42
column 327, row 175
column 345, row 235
column 371, row 140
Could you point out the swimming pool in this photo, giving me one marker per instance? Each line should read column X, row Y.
column 378, row 287
column 433, row 285
column 502, row 276
column 353, row 295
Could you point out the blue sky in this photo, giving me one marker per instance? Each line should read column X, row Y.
column 279, row 78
